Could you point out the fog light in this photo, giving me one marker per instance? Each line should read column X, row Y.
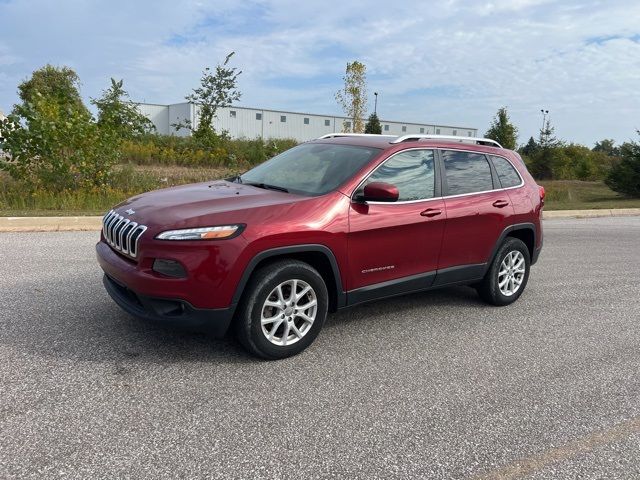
column 170, row 268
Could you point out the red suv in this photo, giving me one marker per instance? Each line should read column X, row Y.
column 328, row 224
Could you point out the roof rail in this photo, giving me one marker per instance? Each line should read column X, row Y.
column 476, row 140
column 332, row 135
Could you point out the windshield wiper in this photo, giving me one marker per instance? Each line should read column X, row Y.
column 266, row 186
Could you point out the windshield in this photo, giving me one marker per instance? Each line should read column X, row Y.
column 310, row 169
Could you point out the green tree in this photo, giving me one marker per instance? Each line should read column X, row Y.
column 352, row 98
column 218, row 89
column 373, row 125
column 502, row 130
column 51, row 141
column 607, row 146
column 59, row 84
column 530, row 148
column 579, row 163
column 548, row 159
column 624, row 176
column 120, row 116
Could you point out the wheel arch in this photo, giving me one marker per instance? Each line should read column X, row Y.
column 523, row 231
column 318, row 256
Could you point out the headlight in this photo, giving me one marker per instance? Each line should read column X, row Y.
column 203, row 233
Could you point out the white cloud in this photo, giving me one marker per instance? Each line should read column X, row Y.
column 451, row 62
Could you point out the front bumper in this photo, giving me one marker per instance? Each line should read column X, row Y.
column 168, row 311
column 145, row 295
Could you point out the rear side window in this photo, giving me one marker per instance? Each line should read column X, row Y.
column 411, row 171
column 466, row 172
column 506, row 173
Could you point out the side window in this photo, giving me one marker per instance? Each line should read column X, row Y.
column 466, row 172
column 506, row 173
column 411, row 171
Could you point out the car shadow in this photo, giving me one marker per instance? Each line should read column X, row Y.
column 427, row 301
column 94, row 329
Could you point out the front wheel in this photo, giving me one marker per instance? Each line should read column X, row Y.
column 283, row 309
column 508, row 274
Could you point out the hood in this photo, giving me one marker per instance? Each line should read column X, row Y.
column 194, row 205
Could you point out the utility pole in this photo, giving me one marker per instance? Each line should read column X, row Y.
column 375, row 105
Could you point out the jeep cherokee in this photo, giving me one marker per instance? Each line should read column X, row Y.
column 329, row 224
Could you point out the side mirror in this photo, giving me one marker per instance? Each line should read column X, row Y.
column 380, row 192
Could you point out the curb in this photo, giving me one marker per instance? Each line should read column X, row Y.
column 50, row 224
column 614, row 212
column 94, row 224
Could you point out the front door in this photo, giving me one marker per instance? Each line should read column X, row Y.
column 394, row 246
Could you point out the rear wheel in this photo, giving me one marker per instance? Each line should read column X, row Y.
column 508, row 274
column 283, row 309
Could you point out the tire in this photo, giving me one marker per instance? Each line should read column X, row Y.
column 493, row 289
column 263, row 299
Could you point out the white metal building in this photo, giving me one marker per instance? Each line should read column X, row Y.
column 243, row 122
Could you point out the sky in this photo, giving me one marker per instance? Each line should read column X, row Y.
column 448, row 62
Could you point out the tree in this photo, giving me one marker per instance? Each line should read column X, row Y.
column 624, row 176
column 217, row 89
column 547, row 159
column 547, row 138
column 502, row 130
column 579, row 163
column 116, row 113
column 353, row 97
column 59, row 84
column 530, row 148
column 373, row 125
column 51, row 140
column 607, row 146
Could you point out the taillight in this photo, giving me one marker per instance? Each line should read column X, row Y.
column 541, row 191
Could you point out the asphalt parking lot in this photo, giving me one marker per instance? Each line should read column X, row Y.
column 433, row 385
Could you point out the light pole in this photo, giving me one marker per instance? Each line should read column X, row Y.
column 544, row 118
column 375, row 105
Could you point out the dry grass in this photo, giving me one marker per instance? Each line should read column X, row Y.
column 175, row 175
column 134, row 179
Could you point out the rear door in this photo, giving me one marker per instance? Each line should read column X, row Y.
column 391, row 241
column 477, row 213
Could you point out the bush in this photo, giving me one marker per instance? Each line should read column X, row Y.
column 568, row 162
column 51, row 141
column 189, row 151
column 624, row 176
column 50, row 145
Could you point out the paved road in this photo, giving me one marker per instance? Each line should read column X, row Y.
column 434, row 385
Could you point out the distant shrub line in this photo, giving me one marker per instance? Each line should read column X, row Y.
column 238, row 154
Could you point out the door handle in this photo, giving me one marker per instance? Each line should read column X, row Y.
column 431, row 212
column 500, row 203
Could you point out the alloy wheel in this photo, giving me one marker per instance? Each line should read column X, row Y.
column 288, row 313
column 511, row 273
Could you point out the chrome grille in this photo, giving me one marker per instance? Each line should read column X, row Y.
column 121, row 233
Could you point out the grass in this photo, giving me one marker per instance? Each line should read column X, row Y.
column 579, row 195
column 134, row 179
column 130, row 180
